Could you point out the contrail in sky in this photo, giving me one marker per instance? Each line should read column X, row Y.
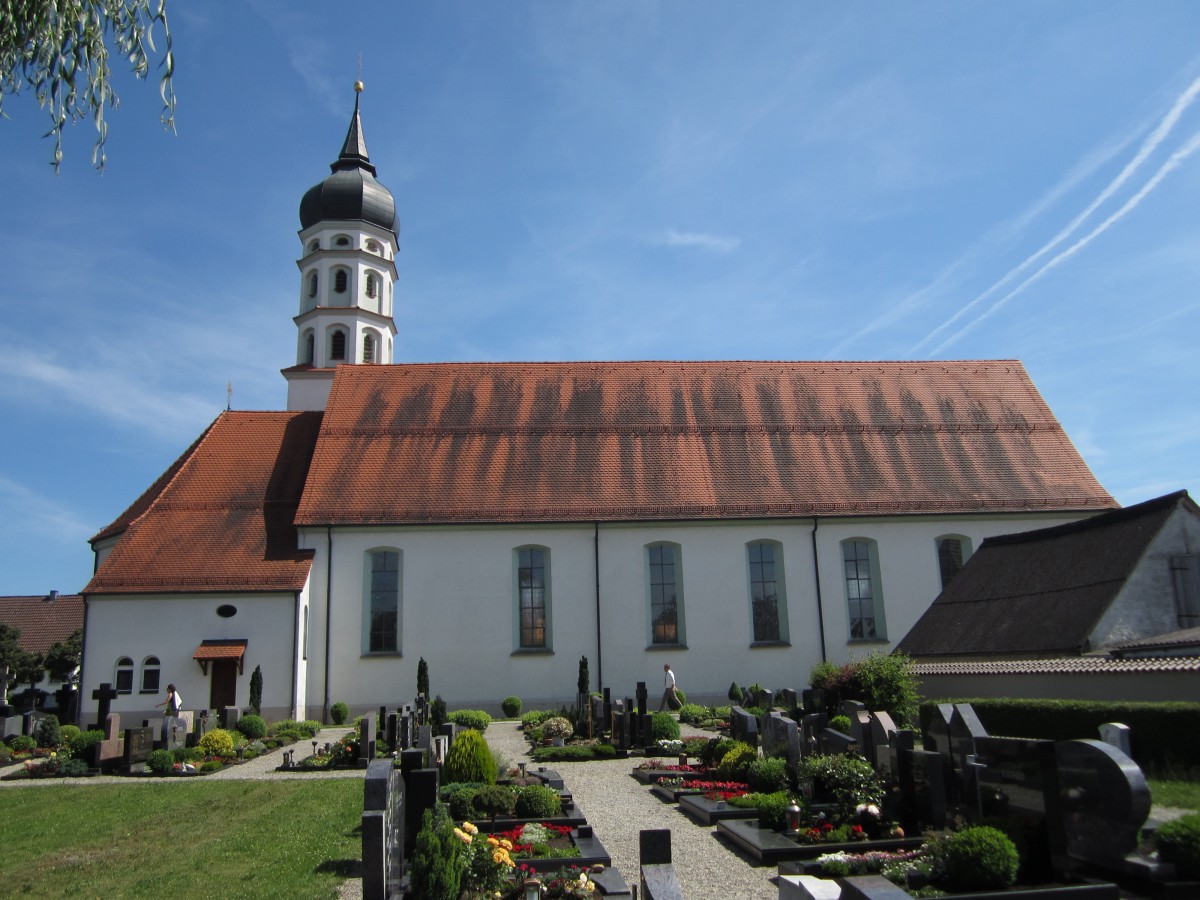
column 1175, row 160
column 1152, row 142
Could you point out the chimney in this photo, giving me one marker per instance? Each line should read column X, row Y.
column 52, row 596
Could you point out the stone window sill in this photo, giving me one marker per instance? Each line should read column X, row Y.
column 533, row 651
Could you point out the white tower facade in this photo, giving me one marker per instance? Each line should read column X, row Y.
column 349, row 236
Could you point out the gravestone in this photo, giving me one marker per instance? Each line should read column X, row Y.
column 813, row 701
column 404, row 730
column 411, row 760
column 781, row 738
column 937, row 734
column 382, row 831
column 174, row 731
column 789, row 701
column 449, row 731
column 929, row 795
column 366, row 741
column 1105, row 801
column 392, row 733
column 598, row 715
column 139, row 742
column 646, row 729
column 811, row 726
column 608, row 705
column 420, row 794
column 425, row 738
column 900, row 749
column 1118, row 735
column 10, row 724
column 834, row 743
column 104, row 696
column 882, row 729
column 441, row 746
column 107, row 752
column 230, row 716
column 766, row 700
column 642, row 697
column 619, row 727
column 743, row 726
column 964, row 729
column 27, row 722
column 1019, row 783
column 202, row 726
column 860, row 724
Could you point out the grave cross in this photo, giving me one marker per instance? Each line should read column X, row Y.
column 105, row 694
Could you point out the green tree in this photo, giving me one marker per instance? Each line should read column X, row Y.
column 63, row 657
column 256, row 691
column 10, row 653
column 59, row 49
column 585, row 680
column 423, row 677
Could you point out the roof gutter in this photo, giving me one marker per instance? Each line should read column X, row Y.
column 599, row 632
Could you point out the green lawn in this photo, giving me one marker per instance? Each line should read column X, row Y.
column 195, row 839
column 1183, row 794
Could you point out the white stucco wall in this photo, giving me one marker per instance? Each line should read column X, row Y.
column 457, row 606
column 1145, row 606
column 171, row 627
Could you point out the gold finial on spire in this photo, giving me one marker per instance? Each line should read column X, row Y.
column 358, row 87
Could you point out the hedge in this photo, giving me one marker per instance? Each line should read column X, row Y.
column 1163, row 735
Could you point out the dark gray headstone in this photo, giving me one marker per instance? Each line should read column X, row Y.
column 383, row 829
column 811, row 726
column 1105, row 800
column 743, row 726
column 392, row 737
column 366, row 740
column 174, row 733
column 882, row 729
column 230, row 716
column 781, row 738
column 654, row 846
column 1019, row 783
column 104, row 696
column 835, row 743
column 766, row 700
column 420, row 790
column 813, row 701
column 425, row 738
column 642, row 697
column 139, row 742
column 937, row 735
column 929, row 776
column 789, row 700
column 411, row 760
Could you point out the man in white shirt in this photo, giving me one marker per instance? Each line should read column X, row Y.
column 669, row 700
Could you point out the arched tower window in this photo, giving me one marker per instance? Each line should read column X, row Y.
column 341, row 278
column 368, row 348
column 337, row 345
column 373, row 246
column 310, row 349
column 372, row 285
column 150, row 670
column 124, row 680
column 314, row 246
column 312, row 283
column 341, row 241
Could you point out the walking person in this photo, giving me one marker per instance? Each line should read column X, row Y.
column 670, row 700
column 172, row 707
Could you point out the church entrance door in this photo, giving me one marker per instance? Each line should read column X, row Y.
column 223, row 690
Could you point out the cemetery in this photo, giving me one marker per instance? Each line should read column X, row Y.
column 818, row 791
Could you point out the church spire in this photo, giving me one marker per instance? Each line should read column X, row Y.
column 349, row 239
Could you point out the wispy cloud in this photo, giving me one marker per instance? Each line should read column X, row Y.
column 1152, row 142
column 41, row 515
column 715, row 243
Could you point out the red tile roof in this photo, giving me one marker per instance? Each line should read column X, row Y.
column 42, row 622
column 584, row 441
column 1073, row 665
column 221, row 650
column 221, row 519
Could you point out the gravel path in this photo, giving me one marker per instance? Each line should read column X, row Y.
column 618, row 806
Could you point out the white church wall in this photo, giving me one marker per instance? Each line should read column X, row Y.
column 171, row 627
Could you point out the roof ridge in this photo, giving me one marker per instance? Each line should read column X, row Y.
column 1103, row 520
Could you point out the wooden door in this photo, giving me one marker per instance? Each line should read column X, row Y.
column 223, row 691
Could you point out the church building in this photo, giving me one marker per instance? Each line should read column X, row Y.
column 738, row 520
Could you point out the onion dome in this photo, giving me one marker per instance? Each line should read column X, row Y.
column 351, row 193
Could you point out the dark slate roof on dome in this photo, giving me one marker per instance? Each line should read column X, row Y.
column 351, row 192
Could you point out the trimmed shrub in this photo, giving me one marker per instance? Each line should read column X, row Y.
column 716, row 748
column 470, row 759
column 80, row 746
column 46, row 732
column 536, row 717
column 557, row 727
column 840, row 723
column 536, row 801
column 772, row 808
column 693, row 712
column 1178, row 842
column 978, row 858
column 253, row 727
column 338, row 713
column 436, row 872
column 471, row 718
column 289, row 735
column 767, row 775
column 459, row 803
column 494, row 800
column 217, row 742
column 574, row 753
column 664, row 726
column 736, row 761
column 211, row 765
column 160, row 762
column 681, row 695
column 68, row 733
column 848, row 780
column 735, row 694
column 21, row 743
column 511, row 706
column 694, row 746
column 74, row 768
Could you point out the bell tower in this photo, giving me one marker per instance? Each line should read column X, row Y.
column 349, row 236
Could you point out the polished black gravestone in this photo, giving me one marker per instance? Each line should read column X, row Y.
column 1105, row 801
column 139, row 743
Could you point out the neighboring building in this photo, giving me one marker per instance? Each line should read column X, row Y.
column 741, row 520
column 43, row 621
column 1115, row 595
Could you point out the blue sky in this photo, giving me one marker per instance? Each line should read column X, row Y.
column 618, row 180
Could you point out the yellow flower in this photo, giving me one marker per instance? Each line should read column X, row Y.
column 462, row 835
column 498, row 856
column 506, row 844
column 469, row 828
column 493, row 842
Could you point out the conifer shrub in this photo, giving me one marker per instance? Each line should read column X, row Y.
column 847, row 780
column 338, row 713
column 21, row 743
column 437, row 713
column 511, row 705
column 494, row 800
column 470, row 759
column 47, row 733
column 74, row 768
column 735, row 694
column 253, row 727
column 977, row 858
column 471, row 718
column 664, row 726
column 436, row 871
column 217, row 742
column 536, row 801
column 1178, row 842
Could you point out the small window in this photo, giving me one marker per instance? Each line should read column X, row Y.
column 314, row 246
column 124, row 680
column 341, row 241
column 368, row 348
column 372, row 285
column 150, row 670
column 310, row 355
column 952, row 552
column 228, row 610
column 341, row 278
column 337, row 345
column 373, row 247
column 312, row 284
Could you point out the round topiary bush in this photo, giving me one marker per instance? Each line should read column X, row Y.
column 978, row 858
column 557, row 727
column 494, row 800
column 253, row 727
column 22, row 743
column 470, row 759
column 161, row 762
column 736, row 762
column 840, row 723
column 68, row 733
column 460, row 803
column 81, row 745
column 536, row 801
column 217, row 742
column 664, row 726
column 471, row 718
column 339, row 713
column 1178, row 842
column 511, row 706
column 767, row 775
